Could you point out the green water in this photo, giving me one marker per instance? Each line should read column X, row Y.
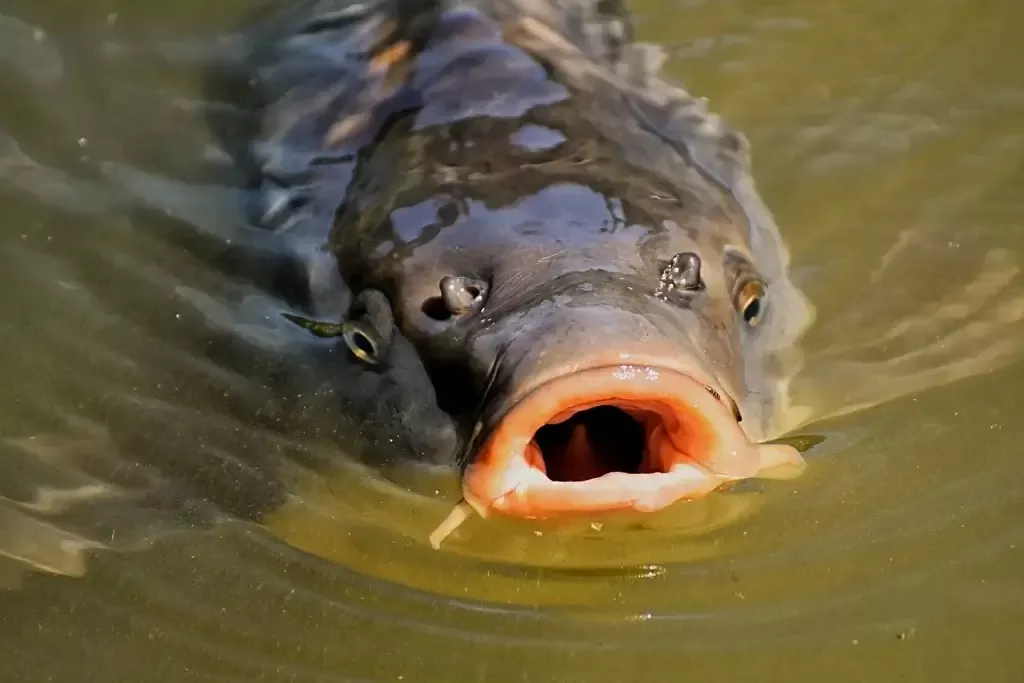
column 889, row 140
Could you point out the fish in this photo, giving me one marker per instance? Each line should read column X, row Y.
column 487, row 239
column 549, row 269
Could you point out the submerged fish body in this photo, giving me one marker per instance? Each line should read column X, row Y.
column 554, row 273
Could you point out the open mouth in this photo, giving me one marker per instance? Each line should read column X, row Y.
column 610, row 438
column 595, row 442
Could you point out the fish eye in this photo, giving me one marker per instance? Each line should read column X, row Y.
column 749, row 302
column 362, row 342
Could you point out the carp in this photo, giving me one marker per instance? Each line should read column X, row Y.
column 561, row 281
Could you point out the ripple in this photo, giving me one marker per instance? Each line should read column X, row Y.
column 28, row 50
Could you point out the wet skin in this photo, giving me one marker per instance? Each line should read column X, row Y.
column 553, row 272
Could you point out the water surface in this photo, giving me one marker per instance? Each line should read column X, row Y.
column 887, row 138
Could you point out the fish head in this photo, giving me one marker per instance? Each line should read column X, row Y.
column 599, row 349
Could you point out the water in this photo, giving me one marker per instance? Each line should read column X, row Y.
column 887, row 139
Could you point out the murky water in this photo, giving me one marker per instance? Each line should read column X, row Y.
column 888, row 138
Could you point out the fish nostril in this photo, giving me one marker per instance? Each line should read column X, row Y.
column 684, row 271
column 436, row 309
column 682, row 274
column 459, row 295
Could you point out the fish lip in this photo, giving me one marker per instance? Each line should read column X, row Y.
column 699, row 447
